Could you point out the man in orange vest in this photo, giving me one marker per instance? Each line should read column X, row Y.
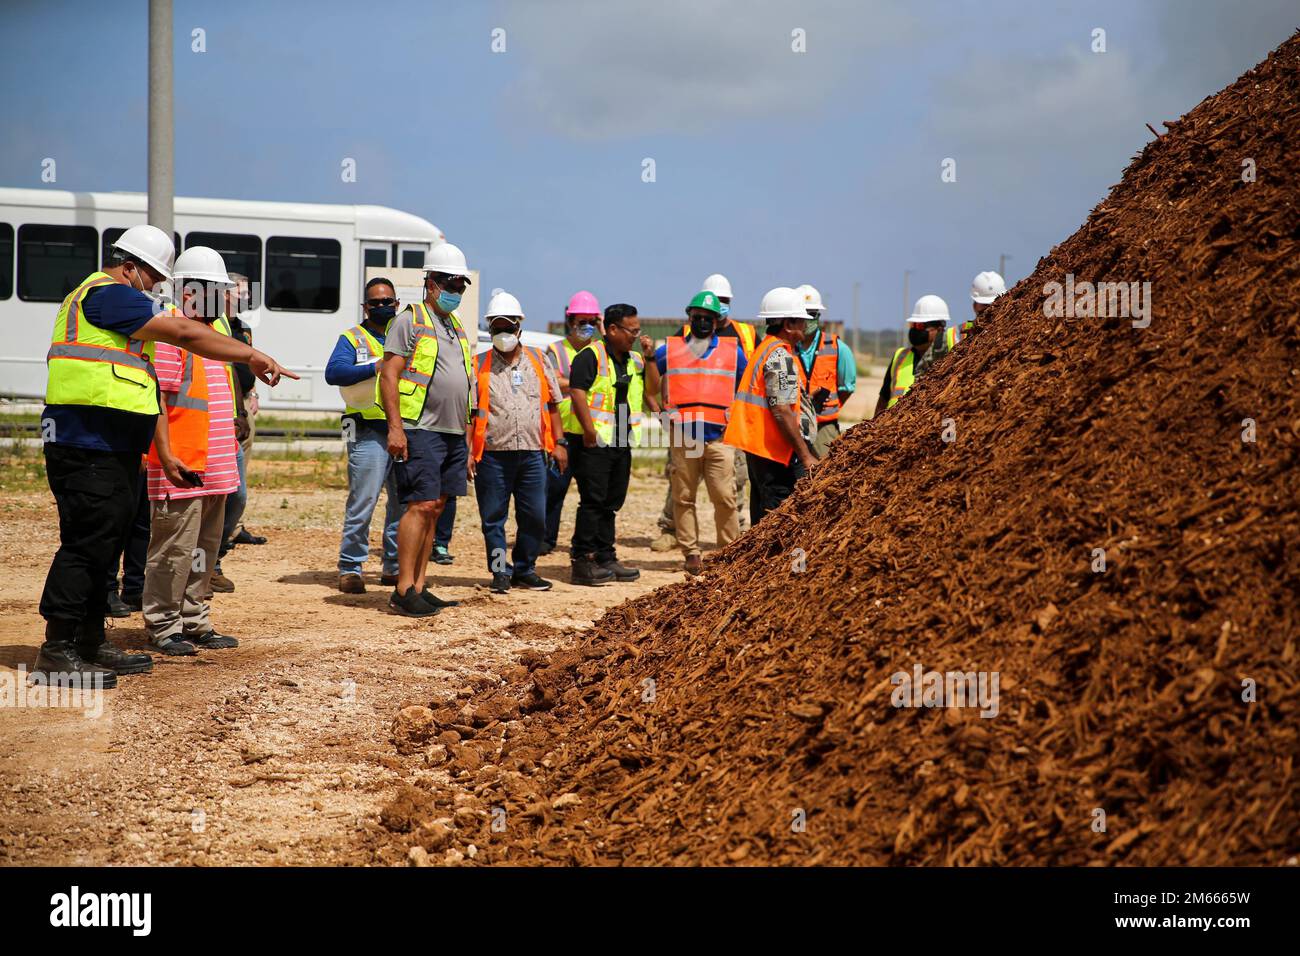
column 831, row 369
column 192, row 468
column 772, row 420
column 699, row 372
column 516, row 427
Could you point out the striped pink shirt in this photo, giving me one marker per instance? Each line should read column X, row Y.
column 221, row 477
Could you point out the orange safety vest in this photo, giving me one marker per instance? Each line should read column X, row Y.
column 479, row 439
column 702, row 388
column 752, row 427
column 825, row 374
column 187, row 417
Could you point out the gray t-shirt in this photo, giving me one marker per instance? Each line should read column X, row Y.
column 781, row 384
column 448, row 405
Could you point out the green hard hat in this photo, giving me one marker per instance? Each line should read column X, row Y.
column 706, row 300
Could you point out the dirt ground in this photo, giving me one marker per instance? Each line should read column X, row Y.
column 276, row 752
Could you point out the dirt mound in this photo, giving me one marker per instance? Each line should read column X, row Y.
column 1101, row 518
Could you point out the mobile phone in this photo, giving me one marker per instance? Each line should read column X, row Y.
column 194, row 479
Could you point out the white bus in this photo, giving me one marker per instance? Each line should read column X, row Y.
column 308, row 261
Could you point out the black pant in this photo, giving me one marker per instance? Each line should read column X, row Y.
column 96, row 493
column 134, row 550
column 770, row 483
column 602, row 475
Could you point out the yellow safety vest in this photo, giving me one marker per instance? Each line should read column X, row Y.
column 363, row 342
column 88, row 365
column 560, row 354
column 413, row 385
column 222, row 325
column 902, row 375
column 602, row 397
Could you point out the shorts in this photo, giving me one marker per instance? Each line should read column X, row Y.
column 436, row 465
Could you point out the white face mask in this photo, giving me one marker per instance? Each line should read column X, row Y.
column 505, row 341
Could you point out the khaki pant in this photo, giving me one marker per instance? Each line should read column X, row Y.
column 184, row 538
column 826, row 434
column 717, row 466
column 667, row 523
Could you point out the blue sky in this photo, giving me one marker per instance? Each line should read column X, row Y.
column 773, row 167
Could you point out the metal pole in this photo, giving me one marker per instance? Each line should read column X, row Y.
column 1002, row 264
column 857, row 329
column 907, row 300
column 161, row 128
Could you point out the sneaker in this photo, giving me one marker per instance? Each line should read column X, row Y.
column 440, row 555
column 388, row 580
column 665, row 542
column 694, row 564
column 621, row 572
column 245, row 538
column 116, row 659
column 500, row 584
column 531, row 581
column 116, row 607
column 212, row 641
column 433, row 600
column 586, row 571
column 410, row 604
column 352, row 584
column 172, row 646
column 221, row 583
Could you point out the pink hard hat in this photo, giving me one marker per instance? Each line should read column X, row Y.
column 582, row 303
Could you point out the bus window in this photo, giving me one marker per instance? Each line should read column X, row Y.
column 412, row 258
column 242, row 254
column 111, row 236
column 376, row 257
column 53, row 259
column 6, row 260
column 302, row 275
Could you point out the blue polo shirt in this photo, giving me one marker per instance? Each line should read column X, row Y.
column 114, row 308
column 711, row 432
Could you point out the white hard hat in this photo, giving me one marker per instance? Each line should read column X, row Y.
column 782, row 303
column 930, row 308
column 202, row 263
column 718, row 285
column 447, row 259
column 987, row 287
column 151, row 246
column 812, row 299
column 503, row 304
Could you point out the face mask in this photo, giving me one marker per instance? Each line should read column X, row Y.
column 726, row 309
column 505, row 341
column 586, row 331
column 918, row 337
column 155, row 297
column 447, row 301
column 382, row 313
column 812, row 326
column 702, row 328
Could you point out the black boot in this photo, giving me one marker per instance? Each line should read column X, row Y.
column 587, row 571
column 59, row 660
column 621, row 572
column 94, row 648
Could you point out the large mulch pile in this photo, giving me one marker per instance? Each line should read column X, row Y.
column 1148, row 712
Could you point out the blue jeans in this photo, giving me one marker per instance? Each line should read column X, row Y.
column 523, row 475
column 557, row 487
column 369, row 471
column 446, row 524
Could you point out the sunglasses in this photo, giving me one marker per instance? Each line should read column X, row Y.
column 380, row 303
column 450, row 283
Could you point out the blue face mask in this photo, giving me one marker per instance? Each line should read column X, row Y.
column 726, row 309
column 447, row 301
column 586, row 331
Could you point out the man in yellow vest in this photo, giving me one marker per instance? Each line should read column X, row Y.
column 926, row 344
column 99, row 419
column 611, row 384
column 984, row 288
column 772, row 420
column 699, row 374
column 581, row 328
column 352, row 368
column 426, row 388
column 516, row 428
column 831, row 369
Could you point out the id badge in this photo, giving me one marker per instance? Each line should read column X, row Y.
column 516, row 379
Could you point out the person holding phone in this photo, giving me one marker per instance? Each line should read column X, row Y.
column 192, row 468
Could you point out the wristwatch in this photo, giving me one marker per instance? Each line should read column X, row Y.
column 562, row 441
